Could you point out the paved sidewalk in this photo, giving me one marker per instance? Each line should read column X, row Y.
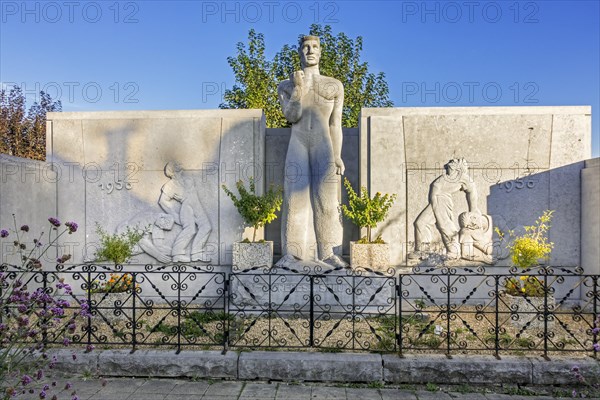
column 173, row 389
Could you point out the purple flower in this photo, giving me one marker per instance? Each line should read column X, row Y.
column 74, row 356
column 43, row 394
column 25, row 228
column 26, row 380
column 72, row 226
column 595, row 331
column 89, row 348
column 63, row 259
column 3, row 233
column 596, row 347
column 54, row 221
column 68, row 386
column 66, row 342
column 85, row 309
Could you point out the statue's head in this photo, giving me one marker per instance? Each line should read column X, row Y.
column 457, row 165
column 165, row 222
column 470, row 220
column 310, row 51
column 172, row 168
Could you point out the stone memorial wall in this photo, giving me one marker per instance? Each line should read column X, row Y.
column 521, row 161
column 155, row 170
column 164, row 169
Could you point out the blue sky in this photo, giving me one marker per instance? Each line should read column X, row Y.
column 133, row 55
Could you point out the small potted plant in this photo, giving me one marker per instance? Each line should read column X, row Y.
column 257, row 211
column 367, row 212
column 525, row 293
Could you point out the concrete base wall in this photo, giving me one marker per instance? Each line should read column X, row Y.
column 330, row 367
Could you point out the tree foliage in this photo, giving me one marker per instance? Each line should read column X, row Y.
column 257, row 77
column 23, row 133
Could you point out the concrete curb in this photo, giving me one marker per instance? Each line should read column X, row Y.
column 299, row 366
column 330, row 367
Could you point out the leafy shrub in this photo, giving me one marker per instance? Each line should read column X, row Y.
column 117, row 247
column 526, row 250
column 257, row 211
column 367, row 212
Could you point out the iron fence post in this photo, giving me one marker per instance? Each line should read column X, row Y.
column 133, row 316
column 226, row 323
column 89, row 300
column 595, row 295
column 448, row 299
column 44, row 327
column 311, row 316
column 178, row 311
column 546, row 313
column 497, row 319
column 399, row 314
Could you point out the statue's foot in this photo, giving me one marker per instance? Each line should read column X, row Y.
column 415, row 255
column 181, row 258
column 287, row 261
column 452, row 256
column 201, row 257
column 490, row 260
column 336, row 261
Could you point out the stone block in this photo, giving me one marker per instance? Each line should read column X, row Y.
column 590, row 217
column 372, row 256
column 27, row 190
column 558, row 371
column 249, row 255
column 420, row 369
column 324, row 367
column 82, row 363
column 333, row 294
column 205, row 364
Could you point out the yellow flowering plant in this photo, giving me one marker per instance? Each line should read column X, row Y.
column 526, row 251
column 117, row 283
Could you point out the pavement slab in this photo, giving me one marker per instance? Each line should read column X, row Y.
column 293, row 392
column 231, row 389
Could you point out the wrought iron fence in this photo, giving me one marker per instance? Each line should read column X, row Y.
column 443, row 310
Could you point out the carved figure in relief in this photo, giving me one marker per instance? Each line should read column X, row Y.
column 313, row 104
column 179, row 198
column 154, row 225
column 476, row 237
column 439, row 212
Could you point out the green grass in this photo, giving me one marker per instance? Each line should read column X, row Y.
column 431, row 387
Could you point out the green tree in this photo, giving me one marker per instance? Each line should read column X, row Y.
column 23, row 133
column 257, row 77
